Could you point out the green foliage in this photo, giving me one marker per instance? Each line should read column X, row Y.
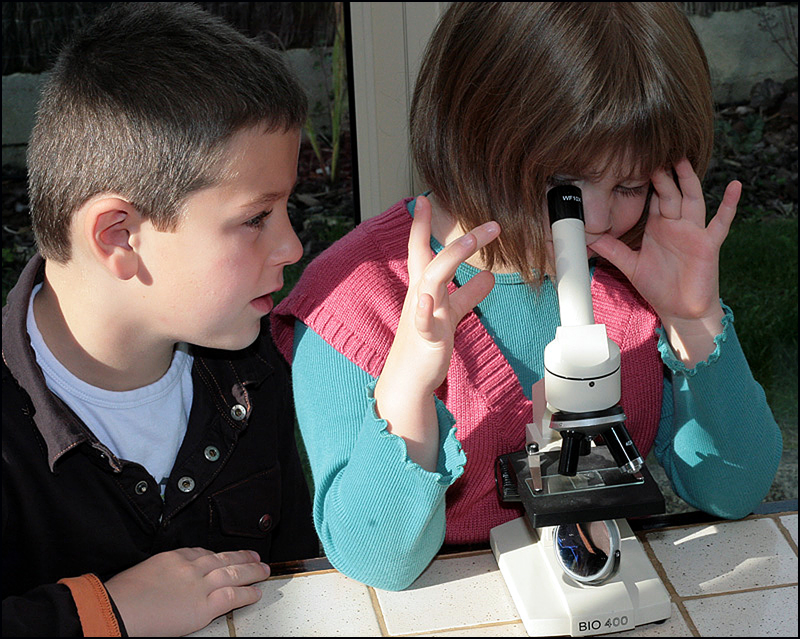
column 741, row 139
column 758, row 280
column 33, row 32
column 337, row 105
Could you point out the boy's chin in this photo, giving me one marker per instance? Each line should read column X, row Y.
column 231, row 342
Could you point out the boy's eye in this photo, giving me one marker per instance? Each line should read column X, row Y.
column 258, row 221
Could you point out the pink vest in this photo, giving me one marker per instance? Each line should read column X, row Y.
column 352, row 296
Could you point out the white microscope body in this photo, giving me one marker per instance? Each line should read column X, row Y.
column 582, row 391
column 581, row 364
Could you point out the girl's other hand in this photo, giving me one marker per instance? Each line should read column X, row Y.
column 677, row 268
column 423, row 345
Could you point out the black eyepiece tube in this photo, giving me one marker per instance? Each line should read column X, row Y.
column 564, row 202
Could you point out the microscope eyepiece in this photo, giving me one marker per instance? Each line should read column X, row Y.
column 564, row 202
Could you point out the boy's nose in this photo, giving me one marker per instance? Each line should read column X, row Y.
column 293, row 248
column 287, row 248
column 296, row 252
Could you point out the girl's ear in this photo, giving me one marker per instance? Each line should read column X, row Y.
column 109, row 224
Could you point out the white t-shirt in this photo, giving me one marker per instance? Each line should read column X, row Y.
column 145, row 425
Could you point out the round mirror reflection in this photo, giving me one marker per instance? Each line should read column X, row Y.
column 588, row 552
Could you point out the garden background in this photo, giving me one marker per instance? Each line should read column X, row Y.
column 756, row 143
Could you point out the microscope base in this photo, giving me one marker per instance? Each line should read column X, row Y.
column 550, row 603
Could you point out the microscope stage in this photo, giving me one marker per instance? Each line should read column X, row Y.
column 598, row 491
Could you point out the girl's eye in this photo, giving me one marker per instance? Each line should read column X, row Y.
column 557, row 180
column 630, row 191
column 258, row 221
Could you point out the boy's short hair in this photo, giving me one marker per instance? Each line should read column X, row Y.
column 141, row 103
column 510, row 93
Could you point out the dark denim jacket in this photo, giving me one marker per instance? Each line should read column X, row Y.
column 71, row 507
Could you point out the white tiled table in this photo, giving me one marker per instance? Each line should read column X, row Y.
column 725, row 579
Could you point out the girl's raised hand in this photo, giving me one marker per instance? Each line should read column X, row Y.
column 423, row 345
column 677, row 268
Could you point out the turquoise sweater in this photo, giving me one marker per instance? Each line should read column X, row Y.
column 381, row 517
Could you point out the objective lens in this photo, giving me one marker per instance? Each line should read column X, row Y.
column 571, row 445
column 621, row 446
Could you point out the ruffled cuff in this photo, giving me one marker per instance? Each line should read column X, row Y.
column 452, row 458
column 676, row 366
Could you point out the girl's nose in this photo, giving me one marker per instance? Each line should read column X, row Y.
column 596, row 213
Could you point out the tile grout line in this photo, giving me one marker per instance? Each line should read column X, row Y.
column 323, row 571
column 673, row 593
column 726, row 593
column 466, row 553
column 679, row 600
column 494, row 624
column 751, row 517
column 785, row 532
column 376, row 608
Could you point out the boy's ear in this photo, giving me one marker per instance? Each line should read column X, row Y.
column 109, row 224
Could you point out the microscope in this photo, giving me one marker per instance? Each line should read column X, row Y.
column 572, row 564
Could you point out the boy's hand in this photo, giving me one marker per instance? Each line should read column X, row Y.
column 420, row 355
column 677, row 268
column 181, row 591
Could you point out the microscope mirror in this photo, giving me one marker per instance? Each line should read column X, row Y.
column 588, row 552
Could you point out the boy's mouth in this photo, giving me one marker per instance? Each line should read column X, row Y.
column 263, row 304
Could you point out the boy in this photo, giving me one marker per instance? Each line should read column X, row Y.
column 149, row 460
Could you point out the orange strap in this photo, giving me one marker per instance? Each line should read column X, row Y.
column 94, row 606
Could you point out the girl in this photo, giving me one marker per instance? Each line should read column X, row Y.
column 416, row 345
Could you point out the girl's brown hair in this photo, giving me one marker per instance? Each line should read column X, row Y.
column 511, row 93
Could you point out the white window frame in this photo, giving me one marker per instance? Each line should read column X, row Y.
column 388, row 41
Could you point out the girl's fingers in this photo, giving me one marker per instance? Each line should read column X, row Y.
column 681, row 199
column 693, row 206
column 424, row 320
column 430, row 276
column 666, row 200
column 442, row 268
column 721, row 222
column 419, row 247
column 471, row 294
column 616, row 252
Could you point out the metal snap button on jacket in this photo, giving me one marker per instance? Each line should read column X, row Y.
column 211, row 453
column 265, row 523
column 186, row 484
column 141, row 488
column 238, row 412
